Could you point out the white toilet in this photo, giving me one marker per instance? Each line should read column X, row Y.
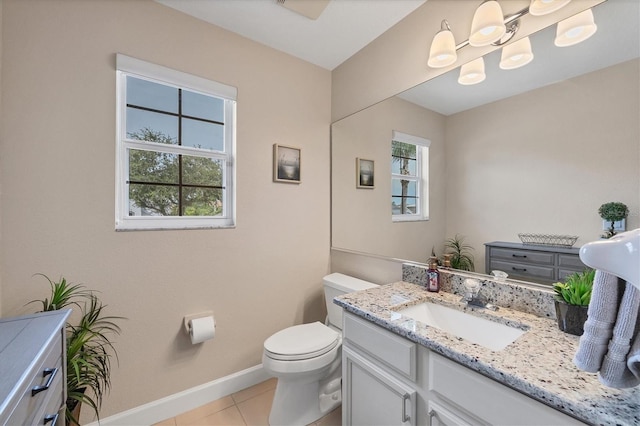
column 306, row 359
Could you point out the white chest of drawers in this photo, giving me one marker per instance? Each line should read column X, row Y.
column 33, row 369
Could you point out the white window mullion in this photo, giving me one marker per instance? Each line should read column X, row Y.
column 424, row 180
column 173, row 149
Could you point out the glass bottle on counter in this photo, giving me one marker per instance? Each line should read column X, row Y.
column 433, row 276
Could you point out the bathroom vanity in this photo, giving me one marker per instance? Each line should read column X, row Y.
column 399, row 370
column 32, row 369
column 381, row 372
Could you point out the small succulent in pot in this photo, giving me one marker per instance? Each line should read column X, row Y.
column 572, row 301
column 576, row 290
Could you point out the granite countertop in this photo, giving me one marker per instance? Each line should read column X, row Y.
column 538, row 364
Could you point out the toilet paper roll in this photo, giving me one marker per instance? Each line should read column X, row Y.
column 201, row 329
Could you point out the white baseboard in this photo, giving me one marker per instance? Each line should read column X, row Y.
column 189, row 399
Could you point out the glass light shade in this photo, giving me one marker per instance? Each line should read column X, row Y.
column 443, row 50
column 516, row 54
column 488, row 24
column 544, row 7
column 472, row 72
column 575, row 29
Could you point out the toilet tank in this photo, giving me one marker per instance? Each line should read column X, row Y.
column 335, row 285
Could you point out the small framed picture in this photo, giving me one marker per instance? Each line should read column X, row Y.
column 364, row 173
column 286, row 164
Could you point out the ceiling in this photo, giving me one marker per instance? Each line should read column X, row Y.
column 341, row 30
column 346, row 26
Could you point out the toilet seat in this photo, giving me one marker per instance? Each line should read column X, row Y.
column 301, row 342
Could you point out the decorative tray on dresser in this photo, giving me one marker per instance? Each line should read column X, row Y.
column 544, row 264
column 32, row 369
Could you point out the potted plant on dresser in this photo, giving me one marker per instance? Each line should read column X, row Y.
column 89, row 345
column 572, row 299
column 613, row 212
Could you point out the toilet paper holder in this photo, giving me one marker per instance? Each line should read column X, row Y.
column 189, row 318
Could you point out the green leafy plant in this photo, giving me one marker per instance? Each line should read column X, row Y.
column 89, row 346
column 461, row 257
column 576, row 290
column 613, row 212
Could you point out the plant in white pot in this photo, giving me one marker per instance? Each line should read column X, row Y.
column 572, row 301
column 89, row 345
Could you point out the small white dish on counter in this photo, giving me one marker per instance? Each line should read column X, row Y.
column 499, row 275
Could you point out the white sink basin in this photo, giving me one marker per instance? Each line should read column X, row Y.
column 492, row 335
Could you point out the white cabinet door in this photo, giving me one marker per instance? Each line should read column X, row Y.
column 372, row 396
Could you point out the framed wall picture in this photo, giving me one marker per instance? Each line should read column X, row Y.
column 286, row 164
column 364, row 173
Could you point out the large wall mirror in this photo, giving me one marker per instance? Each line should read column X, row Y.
column 513, row 154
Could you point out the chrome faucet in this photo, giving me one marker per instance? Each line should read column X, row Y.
column 472, row 296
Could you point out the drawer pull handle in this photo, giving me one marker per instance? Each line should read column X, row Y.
column 405, row 418
column 53, row 418
column 519, row 269
column 522, row 256
column 51, row 372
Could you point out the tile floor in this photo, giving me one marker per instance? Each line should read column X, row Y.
column 248, row 407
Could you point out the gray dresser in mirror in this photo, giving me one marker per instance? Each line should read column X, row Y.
column 33, row 369
column 536, row 263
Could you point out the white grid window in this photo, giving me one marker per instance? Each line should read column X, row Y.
column 175, row 149
column 409, row 177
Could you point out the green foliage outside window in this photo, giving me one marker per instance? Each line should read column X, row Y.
column 155, row 179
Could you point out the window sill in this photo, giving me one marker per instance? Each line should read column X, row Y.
column 399, row 219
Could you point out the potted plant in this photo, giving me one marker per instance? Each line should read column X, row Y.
column 572, row 301
column 461, row 257
column 612, row 212
column 89, row 345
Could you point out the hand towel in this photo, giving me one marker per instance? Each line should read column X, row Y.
column 633, row 360
column 601, row 317
column 614, row 371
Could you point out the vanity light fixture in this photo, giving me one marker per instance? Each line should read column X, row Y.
column 443, row 48
column 490, row 27
column 488, row 24
column 472, row 72
column 545, row 7
column 516, row 54
column 575, row 29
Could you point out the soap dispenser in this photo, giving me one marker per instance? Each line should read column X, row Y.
column 433, row 276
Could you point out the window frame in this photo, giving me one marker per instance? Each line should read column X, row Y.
column 421, row 177
column 128, row 66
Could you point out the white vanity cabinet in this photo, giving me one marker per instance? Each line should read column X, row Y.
column 478, row 400
column 378, row 376
column 388, row 379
